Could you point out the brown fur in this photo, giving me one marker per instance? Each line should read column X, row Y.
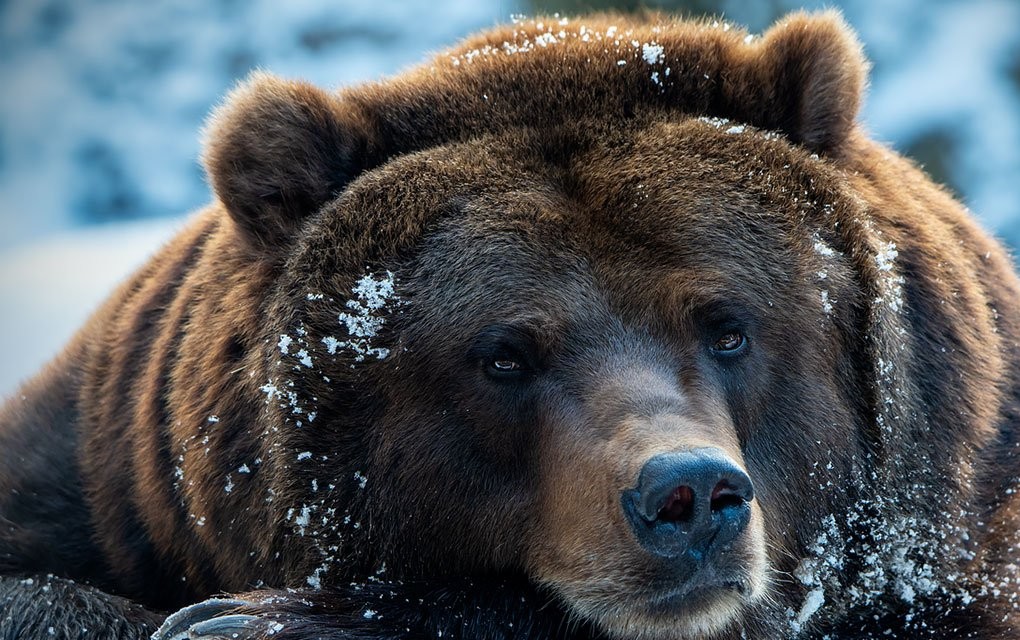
column 183, row 446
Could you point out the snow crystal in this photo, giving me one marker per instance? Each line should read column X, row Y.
column 362, row 480
column 230, row 484
column 284, row 343
column 885, row 256
column 213, row 419
column 812, row 603
column 826, row 303
column 823, row 249
column 243, row 469
column 361, row 323
column 892, row 286
column 315, row 580
column 653, row 53
column 332, row 344
column 714, row 121
column 304, row 358
column 368, row 614
column 304, row 455
column 737, row 128
column 302, row 518
column 545, row 39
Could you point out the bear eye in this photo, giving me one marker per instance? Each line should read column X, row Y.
column 730, row 343
column 505, row 365
column 505, row 353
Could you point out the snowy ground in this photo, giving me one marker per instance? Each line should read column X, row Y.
column 103, row 102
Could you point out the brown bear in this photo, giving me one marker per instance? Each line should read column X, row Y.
column 611, row 327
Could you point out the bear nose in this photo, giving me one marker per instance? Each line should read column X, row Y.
column 694, row 502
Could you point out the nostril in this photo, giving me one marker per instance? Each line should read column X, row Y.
column 679, row 506
column 726, row 495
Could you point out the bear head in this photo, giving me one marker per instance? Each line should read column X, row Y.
column 571, row 302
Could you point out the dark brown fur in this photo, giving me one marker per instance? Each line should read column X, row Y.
column 527, row 178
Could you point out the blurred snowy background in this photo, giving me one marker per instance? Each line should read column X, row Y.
column 103, row 101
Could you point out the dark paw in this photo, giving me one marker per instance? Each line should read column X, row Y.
column 212, row 620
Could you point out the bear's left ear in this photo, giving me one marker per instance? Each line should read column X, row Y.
column 808, row 75
column 277, row 150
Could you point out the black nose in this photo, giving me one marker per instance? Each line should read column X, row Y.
column 694, row 503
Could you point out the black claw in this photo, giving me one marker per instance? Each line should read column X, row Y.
column 177, row 625
column 232, row 627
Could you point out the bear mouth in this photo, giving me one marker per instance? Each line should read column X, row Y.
column 698, row 605
column 688, row 596
column 696, row 609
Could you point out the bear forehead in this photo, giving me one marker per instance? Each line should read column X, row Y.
column 660, row 189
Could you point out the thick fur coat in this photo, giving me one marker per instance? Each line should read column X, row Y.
column 407, row 372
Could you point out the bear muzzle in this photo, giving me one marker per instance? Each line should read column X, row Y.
column 689, row 506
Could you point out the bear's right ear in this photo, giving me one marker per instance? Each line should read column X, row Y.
column 277, row 150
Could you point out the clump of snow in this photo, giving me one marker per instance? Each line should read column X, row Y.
column 284, row 344
column 812, row 603
column 886, row 255
column 362, row 321
column 821, row 248
column 653, row 53
column 891, row 284
column 826, row 303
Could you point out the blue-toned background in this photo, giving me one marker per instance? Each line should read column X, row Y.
column 102, row 102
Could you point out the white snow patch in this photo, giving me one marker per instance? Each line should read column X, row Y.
column 826, row 303
column 361, row 322
column 823, row 249
column 886, row 256
column 812, row 603
column 284, row 343
column 332, row 344
column 653, row 53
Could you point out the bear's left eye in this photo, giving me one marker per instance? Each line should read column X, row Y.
column 505, row 365
column 730, row 343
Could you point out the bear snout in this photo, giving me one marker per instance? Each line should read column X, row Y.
column 689, row 505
